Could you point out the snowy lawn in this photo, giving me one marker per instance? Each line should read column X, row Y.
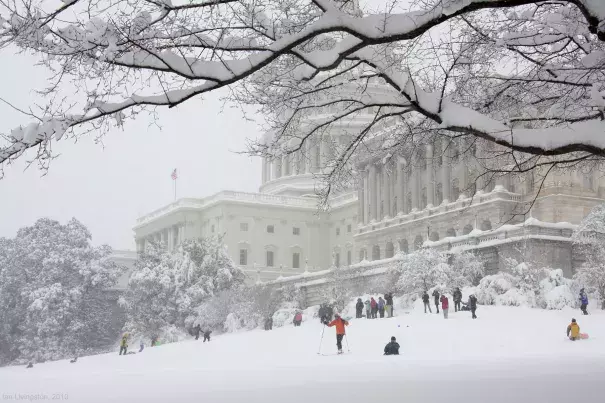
column 507, row 355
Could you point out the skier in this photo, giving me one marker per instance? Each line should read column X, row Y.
column 472, row 303
column 381, row 307
column 389, row 304
column 374, row 305
column 573, row 330
column 359, row 308
column 436, row 297
column 457, row 299
column 196, row 331
column 124, row 344
column 208, row 331
column 368, row 306
column 583, row 302
column 297, row 319
column 340, row 324
column 392, row 348
column 425, row 300
column 445, row 305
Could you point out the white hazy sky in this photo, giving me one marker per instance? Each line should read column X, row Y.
column 108, row 186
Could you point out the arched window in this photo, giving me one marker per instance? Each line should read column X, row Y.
column 403, row 246
column 434, row 236
column 376, row 252
column 389, row 250
column 467, row 229
column 418, row 242
column 362, row 254
column 486, row 225
column 450, row 232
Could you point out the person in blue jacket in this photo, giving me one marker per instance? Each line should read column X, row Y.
column 583, row 301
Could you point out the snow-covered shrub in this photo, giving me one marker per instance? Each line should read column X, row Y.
column 421, row 270
column 52, row 297
column 556, row 291
column 490, row 287
column 169, row 288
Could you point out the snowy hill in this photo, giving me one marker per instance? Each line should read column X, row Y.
column 507, row 355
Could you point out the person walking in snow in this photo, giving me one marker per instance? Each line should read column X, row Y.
column 392, row 348
column 389, row 304
column 472, row 304
column 297, row 319
column 381, row 307
column 124, row 344
column 374, row 305
column 436, row 297
column 583, row 302
column 359, row 308
column 368, row 306
column 196, row 331
column 445, row 305
column 457, row 299
column 208, row 331
column 573, row 331
column 340, row 324
column 141, row 346
column 425, row 300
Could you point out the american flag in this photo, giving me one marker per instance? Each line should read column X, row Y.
column 174, row 175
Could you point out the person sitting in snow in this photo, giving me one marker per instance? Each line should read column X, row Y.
column 392, row 348
column 340, row 324
column 583, row 302
column 573, row 330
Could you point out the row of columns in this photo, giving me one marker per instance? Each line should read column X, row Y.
column 313, row 160
column 170, row 237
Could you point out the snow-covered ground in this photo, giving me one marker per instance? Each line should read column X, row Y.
column 507, row 355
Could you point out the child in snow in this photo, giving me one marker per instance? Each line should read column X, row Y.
column 425, row 300
column 583, row 302
column 392, row 348
column 124, row 344
column 573, row 330
column 445, row 305
column 340, row 324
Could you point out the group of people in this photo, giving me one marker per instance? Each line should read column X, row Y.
column 375, row 308
column 198, row 329
column 443, row 300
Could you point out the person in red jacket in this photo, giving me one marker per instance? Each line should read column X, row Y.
column 445, row 305
column 340, row 324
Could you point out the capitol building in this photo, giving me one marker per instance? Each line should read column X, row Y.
column 394, row 207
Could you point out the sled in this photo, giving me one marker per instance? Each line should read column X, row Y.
column 583, row 336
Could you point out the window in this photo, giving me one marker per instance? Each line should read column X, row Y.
column 243, row 226
column 337, row 231
column 349, row 228
column 348, row 258
column 212, row 228
column 270, row 229
column 269, row 258
column 296, row 260
column 243, row 257
column 337, row 260
column 295, row 231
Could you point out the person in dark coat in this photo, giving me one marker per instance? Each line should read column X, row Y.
column 392, row 348
column 583, row 302
column 457, row 299
column 208, row 331
column 196, row 331
column 425, row 300
column 436, row 296
column 389, row 304
column 359, row 308
column 381, row 305
column 472, row 303
column 322, row 313
column 269, row 323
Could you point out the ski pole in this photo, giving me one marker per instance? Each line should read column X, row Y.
column 347, row 340
column 321, row 339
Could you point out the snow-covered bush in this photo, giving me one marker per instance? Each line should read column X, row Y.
column 168, row 289
column 52, row 299
column 557, row 292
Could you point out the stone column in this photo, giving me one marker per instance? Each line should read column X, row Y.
column 314, row 155
column 386, row 192
column 401, row 186
column 377, row 193
column 366, row 213
column 372, row 193
column 323, row 154
column 360, row 204
column 296, row 163
column 285, row 160
column 446, row 172
column 264, row 165
column 275, row 169
column 170, row 238
column 430, row 180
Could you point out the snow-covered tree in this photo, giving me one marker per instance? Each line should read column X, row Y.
column 589, row 239
column 527, row 75
column 421, row 270
column 166, row 289
column 466, row 269
column 52, row 283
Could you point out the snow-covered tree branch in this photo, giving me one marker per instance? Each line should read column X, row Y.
column 526, row 75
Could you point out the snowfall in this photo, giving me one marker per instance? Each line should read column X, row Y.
column 508, row 354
